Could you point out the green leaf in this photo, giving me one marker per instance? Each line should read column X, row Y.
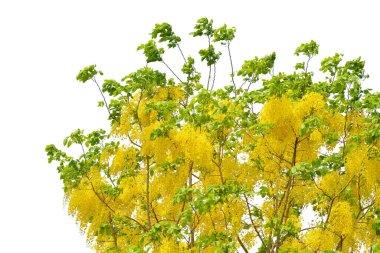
column 203, row 27
column 309, row 49
column 87, row 73
column 165, row 32
column 111, row 190
column 209, row 55
column 331, row 64
column 224, row 34
column 376, row 226
column 112, row 87
column 252, row 69
column 144, row 79
column 151, row 51
column 101, row 104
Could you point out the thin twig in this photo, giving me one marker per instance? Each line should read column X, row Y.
column 213, row 80
column 134, row 143
column 183, row 56
column 209, row 71
column 179, row 79
column 101, row 92
column 242, row 245
column 232, row 66
column 253, row 223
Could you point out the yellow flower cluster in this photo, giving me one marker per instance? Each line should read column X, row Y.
column 333, row 183
column 311, row 103
column 168, row 93
column 133, row 192
column 285, row 117
column 318, row 240
column 279, row 113
column 86, row 205
column 194, row 145
column 277, row 150
column 124, row 158
column 170, row 246
column 122, row 128
column 359, row 163
column 341, row 218
column 146, row 117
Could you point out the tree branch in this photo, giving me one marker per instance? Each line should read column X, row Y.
column 232, row 66
column 179, row 79
column 180, row 50
column 252, row 222
column 213, row 80
column 101, row 92
column 242, row 245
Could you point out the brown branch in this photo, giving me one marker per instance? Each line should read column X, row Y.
column 219, row 169
column 134, row 143
column 287, row 194
column 98, row 195
column 332, row 200
column 319, row 188
column 279, row 157
column 344, row 188
column 155, row 215
column 137, row 222
column 329, row 210
column 366, row 209
column 305, row 229
column 252, row 222
column 242, row 245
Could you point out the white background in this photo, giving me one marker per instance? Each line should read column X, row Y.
column 43, row 45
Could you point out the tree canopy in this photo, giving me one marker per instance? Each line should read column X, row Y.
column 188, row 167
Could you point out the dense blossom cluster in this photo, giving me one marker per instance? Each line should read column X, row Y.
column 186, row 168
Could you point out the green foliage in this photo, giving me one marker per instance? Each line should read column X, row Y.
column 309, row 49
column 331, row 64
column 193, row 76
column 209, row 55
column 165, row 33
column 376, row 248
column 88, row 73
column 252, row 69
column 151, row 51
column 145, row 79
column 222, row 241
column 204, row 26
column 112, row 87
column 224, row 34
column 72, row 170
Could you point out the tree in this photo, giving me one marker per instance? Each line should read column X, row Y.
column 189, row 168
